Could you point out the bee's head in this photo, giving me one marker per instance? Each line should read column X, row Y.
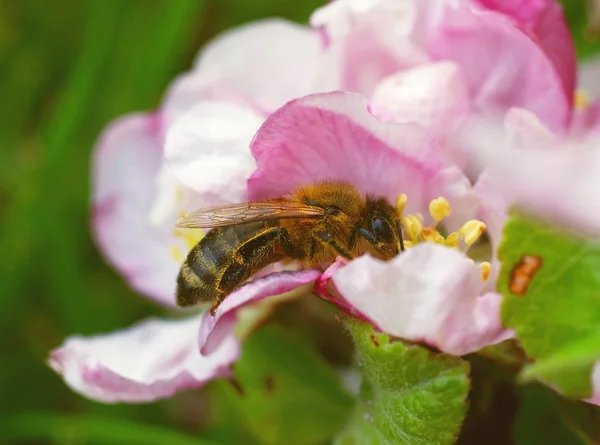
column 380, row 227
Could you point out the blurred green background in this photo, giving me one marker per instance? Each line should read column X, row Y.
column 66, row 69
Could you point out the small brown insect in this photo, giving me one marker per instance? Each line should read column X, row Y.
column 314, row 224
column 523, row 273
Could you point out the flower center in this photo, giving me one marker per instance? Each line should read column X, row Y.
column 416, row 232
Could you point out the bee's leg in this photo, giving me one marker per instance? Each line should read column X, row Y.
column 217, row 301
column 400, row 237
column 328, row 239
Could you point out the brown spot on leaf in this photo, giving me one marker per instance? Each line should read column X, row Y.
column 523, row 273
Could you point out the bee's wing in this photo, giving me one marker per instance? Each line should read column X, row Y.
column 228, row 215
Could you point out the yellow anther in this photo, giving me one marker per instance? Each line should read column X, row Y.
column 486, row 269
column 401, row 203
column 413, row 226
column 452, row 240
column 191, row 237
column 439, row 208
column 176, row 255
column 431, row 235
column 581, row 100
column 471, row 231
column 408, row 244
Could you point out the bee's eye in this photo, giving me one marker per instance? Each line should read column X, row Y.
column 381, row 229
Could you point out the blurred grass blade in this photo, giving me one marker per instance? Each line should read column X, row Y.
column 90, row 429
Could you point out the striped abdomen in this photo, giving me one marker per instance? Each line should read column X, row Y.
column 225, row 258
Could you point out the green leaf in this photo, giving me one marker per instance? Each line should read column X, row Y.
column 577, row 14
column 90, row 429
column 408, row 395
column 286, row 393
column 574, row 360
column 545, row 418
column 559, row 311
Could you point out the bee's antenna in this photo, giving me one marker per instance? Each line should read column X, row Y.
column 399, row 229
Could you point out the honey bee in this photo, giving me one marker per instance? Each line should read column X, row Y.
column 523, row 273
column 314, row 225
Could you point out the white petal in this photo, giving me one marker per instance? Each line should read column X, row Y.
column 126, row 162
column 263, row 64
column 430, row 293
column 208, row 150
column 149, row 361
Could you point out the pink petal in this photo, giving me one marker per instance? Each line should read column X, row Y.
column 366, row 41
column 525, row 130
column 125, row 163
column 332, row 136
column 430, row 293
column 544, row 22
column 434, row 95
column 263, row 65
column 149, row 361
column 504, row 66
column 560, row 185
column 207, row 150
column 215, row 330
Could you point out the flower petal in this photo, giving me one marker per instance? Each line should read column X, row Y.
column 561, row 184
column 525, row 130
column 434, row 95
column 544, row 22
column 126, row 162
column 149, row 361
column 503, row 66
column 262, row 65
column 215, row 330
column 366, row 41
column 207, row 150
column 430, row 293
column 332, row 136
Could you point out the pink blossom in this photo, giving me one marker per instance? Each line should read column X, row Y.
column 333, row 136
column 509, row 54
column 243, row 124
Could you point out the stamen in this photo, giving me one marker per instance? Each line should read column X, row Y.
column 452, row 239
column 401, row 203
column 190, row 236
column 471, row 231
column 439, row 208
column 412, row 226
column 486, row 269
column 431, row 235
column 416, row 232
